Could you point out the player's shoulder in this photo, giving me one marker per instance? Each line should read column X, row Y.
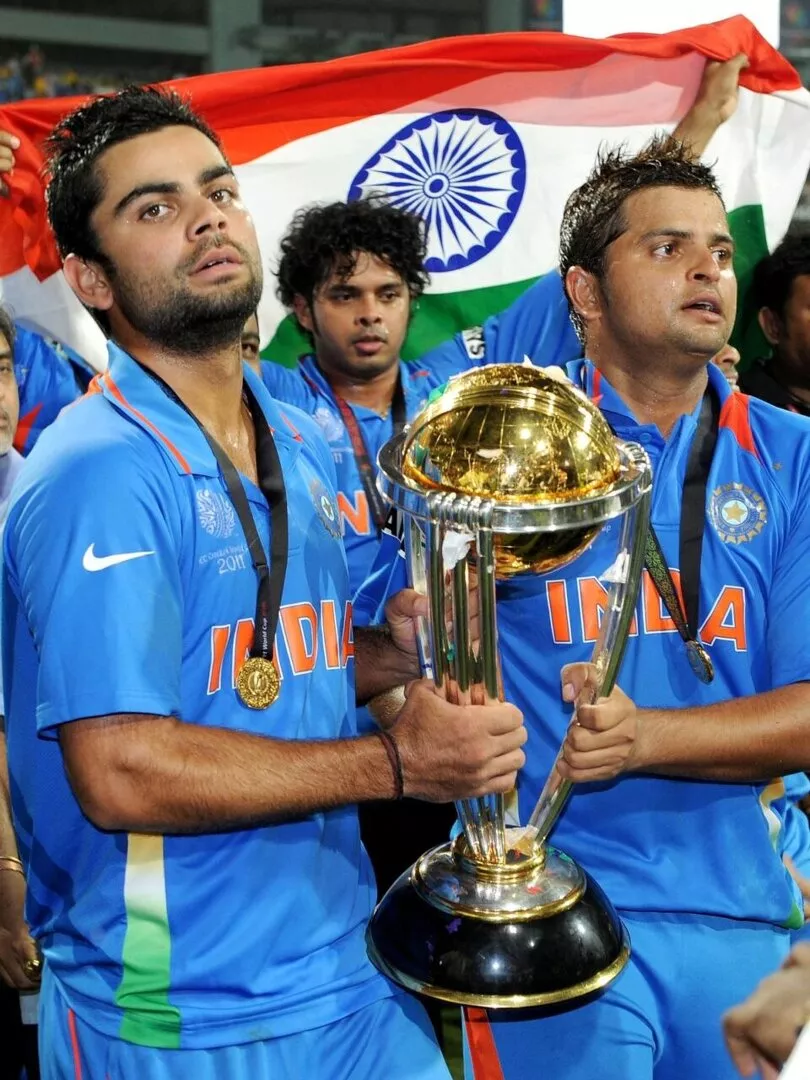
column 287, row 385
column 778, row 439
column 89, row 442
column 779, row 426
column 777, row 434
column 307, row 431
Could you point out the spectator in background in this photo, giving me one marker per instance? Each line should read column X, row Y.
column 250, row 344
column 728, row 360
column 10, row 459
column 47, row 383
column 8, row 144
column 761, row 1033
column 19, row 968
column 782, row 291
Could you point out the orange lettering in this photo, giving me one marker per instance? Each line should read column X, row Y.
column 300, row 625
column 592, row 603
column 329, row 628
column 347, row 638
column 220, row 636
column 593, row 598
column 726, row 621
column 355, row 514
column 557, row 600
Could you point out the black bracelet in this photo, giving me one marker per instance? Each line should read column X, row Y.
column 391, row 748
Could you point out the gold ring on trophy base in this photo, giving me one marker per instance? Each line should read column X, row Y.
column 258, row 683
column 516, row 865
column 538, row 889
column 507, row 1001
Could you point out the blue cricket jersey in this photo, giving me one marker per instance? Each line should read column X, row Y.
column 658, row 844
column 536, row 324
column 46, row 384
column 178, row 941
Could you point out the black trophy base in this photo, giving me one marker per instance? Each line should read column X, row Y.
column 533, row 935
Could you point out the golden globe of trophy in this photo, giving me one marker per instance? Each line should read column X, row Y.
column 508, row 470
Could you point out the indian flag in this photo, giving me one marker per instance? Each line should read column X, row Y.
column 483, row 136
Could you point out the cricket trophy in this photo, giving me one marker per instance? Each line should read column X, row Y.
column 509, row 469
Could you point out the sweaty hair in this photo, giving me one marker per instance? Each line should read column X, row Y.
column 323, row 240
column 775, row 274
column 74, row 186
column 594, row 213
column 7, row 328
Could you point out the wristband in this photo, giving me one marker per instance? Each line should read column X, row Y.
column 391, row 748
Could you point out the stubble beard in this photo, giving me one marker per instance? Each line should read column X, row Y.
column 183, row 322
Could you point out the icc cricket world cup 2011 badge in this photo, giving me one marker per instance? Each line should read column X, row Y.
column 258, row 683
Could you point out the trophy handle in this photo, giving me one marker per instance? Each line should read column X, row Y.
column 606, row 657
column 461, row 674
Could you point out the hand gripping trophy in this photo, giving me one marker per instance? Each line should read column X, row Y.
column 509, row 470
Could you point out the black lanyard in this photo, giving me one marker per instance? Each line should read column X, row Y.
column 685, row 614
column 271, row 482
column 379, row 511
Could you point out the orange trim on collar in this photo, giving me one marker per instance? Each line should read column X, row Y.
column 596, row 394
column 296, row 433
column 735, row 417
column 116, row 393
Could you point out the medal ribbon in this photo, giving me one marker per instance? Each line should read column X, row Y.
column 271, row 483
column 690, row 543
column 379, row 511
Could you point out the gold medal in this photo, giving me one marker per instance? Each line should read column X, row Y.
column 699, row 661
column 257, row 683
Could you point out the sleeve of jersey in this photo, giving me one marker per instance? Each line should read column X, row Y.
column 789, row 600
column 388, row 575
column 93, row 549
column 536, row 325
column 46, row 387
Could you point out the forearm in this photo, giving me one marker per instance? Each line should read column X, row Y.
column 697, row 128
column 739, row 741
column 157, row 774
column 8, row 841
column 379, row 664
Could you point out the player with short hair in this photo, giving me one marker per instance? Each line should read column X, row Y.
column 687, row 840
column 180, row 663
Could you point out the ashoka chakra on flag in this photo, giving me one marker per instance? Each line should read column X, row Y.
column 463, row 171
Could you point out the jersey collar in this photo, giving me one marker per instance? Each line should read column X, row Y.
column 589, row 379
column 131, row 391
column 411, row 375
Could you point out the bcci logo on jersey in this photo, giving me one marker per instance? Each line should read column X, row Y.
column 737, row 512
column 216, row 513
column 325, row 508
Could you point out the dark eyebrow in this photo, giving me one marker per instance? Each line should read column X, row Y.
column 337, row 285
column 207, row 176
column 153, row 188
column 683, row 234
column 215, row 172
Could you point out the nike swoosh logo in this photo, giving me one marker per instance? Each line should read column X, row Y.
column 93, row 562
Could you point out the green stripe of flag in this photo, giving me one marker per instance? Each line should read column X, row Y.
column 143, row 994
